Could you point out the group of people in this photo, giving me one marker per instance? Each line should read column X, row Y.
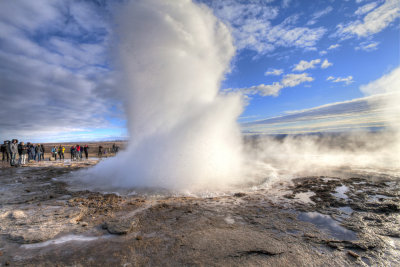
column 76, row 152
column 105, row 151
column 27, row 152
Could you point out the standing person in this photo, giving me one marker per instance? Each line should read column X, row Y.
column 77, row 151
column 8, row 151
column 61, row 150
column 20, row 153
column 24, row 152
column 42, row 146
column 86, row 150
column 54, row 152
column 32, row 152
column 38, row 151
column 72, row 151
column 80, row 151
column 5, row 150
column 100, row 154
column 114, row 150
column 2, row 149
column 27, row 146
column 13, row 151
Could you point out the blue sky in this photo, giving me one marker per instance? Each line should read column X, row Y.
column 309, row 58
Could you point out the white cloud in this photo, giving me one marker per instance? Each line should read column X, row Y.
column 367, row 46
column 323, row 52
column 57, row 84
column 264, row 90
column 347, row 80
column 357, row 113
column 365, row 8
column 289, row 80
column 30, row 15
column 274, row 72
column 305, row 65
column 373, row 22
column 334, row 46
column 292, row 80
column 319, row 14
column 326, row 64
column 252, row 26
column 386, row 84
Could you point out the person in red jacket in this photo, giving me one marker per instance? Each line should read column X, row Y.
column 78, row 152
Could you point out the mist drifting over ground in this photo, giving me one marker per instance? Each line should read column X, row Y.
column 184, row 135
column 325, row 154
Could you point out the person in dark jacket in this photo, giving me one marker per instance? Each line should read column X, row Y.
column 32, row 152
column 19, row 153
column 13, row 151
column 2, row 149
column 24, row 152
column 86, row 150
column 5, row 150
column 114, row 148
column 42, row 155
column 72, row 151
column 38, row 150
column 28, row 145
column 100, row 154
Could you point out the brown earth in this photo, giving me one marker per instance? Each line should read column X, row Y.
column 312, row 221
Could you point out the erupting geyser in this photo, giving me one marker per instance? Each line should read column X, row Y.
column 183, row 133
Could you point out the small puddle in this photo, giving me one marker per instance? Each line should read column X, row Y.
column 341, row 192
column 305, row 197
column 327, row 224
column 394, row 247
column 229, row 220
column 378, row 197
column 61, row 240
column 346, row 210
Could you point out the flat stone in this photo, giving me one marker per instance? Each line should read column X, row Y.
column 120, row 227
column 29, row 237
column 17, row 214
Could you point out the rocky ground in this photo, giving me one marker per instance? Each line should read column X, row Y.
column 311, row 221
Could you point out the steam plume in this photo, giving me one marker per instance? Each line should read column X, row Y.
column 173, row 56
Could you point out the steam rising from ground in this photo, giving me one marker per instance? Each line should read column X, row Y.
column 174, row 55
column 184, row 135
column 376, row 152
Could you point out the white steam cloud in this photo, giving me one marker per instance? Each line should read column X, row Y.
column 184, row 136
column 173, row 56
column 376, row 152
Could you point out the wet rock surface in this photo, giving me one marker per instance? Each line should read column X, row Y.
column 312, row 221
